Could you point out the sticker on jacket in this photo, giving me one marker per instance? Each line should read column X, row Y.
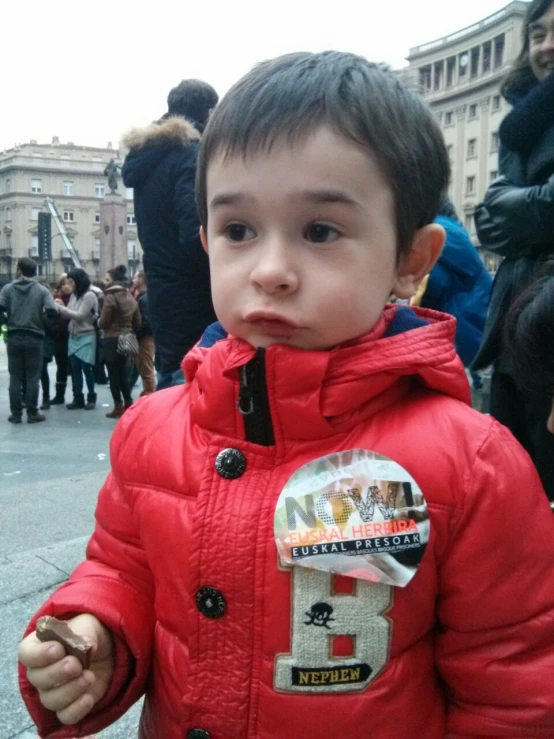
column 340, row 636
column 354, row 513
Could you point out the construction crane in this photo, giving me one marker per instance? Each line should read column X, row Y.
column 51, row 205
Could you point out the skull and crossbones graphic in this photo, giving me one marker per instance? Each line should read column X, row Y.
column 319, row 615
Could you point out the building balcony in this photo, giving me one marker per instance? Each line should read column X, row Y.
column 6, row 252
column 33, row 252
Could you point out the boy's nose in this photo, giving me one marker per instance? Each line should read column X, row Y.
column 274, row 271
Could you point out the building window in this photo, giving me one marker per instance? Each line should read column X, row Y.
column 468, row 221
column 8, row 214
column 471, row 148
column 131, row 220
column 470, row 185
column 34, row 214
column 33, row 251
column 493, row 174
column 487, row 57
column 448, row 118
column 68, row 188
column 131, row 249
column 494, row 141
column 472, row 110
column 129, row 193
column 97, row 217
column 439, row 70
column 495, row 103
column 99, row 191
column 7, row 185
column 36, row 186
column 474, row 62
column 69, row 216
column 499, row 51
column 425, row 78
column 450, row 151
column 463, row 61
column 450, row 69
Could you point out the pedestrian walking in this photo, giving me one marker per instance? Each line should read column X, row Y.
column 120, row 315
column 516, row 221
column 161, row 169
column 145, row 359
column 23, row 306
column 315, row 536
column 82, row 310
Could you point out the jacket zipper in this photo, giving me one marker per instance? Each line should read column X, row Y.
column 253, row 401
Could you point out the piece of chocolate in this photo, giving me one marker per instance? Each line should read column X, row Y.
column 50, row 628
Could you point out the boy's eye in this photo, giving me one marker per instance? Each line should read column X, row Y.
column 320, row 233
column 238, row 232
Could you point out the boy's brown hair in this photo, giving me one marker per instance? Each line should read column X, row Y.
column 367, row 103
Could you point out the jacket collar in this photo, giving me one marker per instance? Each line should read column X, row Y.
column 314, row 394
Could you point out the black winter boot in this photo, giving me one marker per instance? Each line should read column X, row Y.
column 59, row 398
column 91, row 402
column 78, row 402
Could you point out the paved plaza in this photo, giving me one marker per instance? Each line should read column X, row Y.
column 50, row 475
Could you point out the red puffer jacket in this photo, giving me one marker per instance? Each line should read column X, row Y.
column 230, row 644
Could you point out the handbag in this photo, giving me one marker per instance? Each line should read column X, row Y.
column 127, row 345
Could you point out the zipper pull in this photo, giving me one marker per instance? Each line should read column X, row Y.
column 245, row 401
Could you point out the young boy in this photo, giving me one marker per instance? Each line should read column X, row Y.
column 316, row 536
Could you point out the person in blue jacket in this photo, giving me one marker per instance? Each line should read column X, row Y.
column 459, row 284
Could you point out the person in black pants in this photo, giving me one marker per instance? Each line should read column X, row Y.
column 60, row 334
column 23, row 306
column 120, row 314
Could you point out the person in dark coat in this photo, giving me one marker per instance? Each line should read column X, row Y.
column 516, row 220
column 530, row 337
column 60, row 333
column 161, row 169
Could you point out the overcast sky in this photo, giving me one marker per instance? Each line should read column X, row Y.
column 87, row 71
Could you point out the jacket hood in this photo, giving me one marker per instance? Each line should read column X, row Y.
column 313, row 394
column 24, row 286
column 459, row 255
column 149, row 145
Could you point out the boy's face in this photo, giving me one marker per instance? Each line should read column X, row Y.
column 302, row 243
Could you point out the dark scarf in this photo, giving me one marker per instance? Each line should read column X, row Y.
column 531, row 117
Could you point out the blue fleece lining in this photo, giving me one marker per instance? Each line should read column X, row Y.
column 404, row 320
column 214, row 333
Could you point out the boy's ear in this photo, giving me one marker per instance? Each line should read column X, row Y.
column 204, row 239
column 419, row 260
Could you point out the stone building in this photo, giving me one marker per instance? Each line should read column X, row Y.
column 460, row 77
column 73, row 176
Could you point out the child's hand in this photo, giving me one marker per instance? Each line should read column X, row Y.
column 62, row 684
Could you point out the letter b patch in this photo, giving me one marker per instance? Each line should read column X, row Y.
column 323, row 620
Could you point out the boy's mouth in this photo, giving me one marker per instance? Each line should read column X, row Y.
column 272, row 323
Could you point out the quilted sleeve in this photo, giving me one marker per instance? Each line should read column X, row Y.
column 115, row 584
column 495, row 649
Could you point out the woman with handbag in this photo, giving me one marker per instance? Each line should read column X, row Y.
column 119, row 320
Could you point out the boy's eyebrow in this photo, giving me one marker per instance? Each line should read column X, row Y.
column 535, row 26
column 229, row 198
column 328, row 196
column 314, row 196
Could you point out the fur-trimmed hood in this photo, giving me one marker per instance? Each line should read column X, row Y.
column 150, row 145
column 174, row 130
